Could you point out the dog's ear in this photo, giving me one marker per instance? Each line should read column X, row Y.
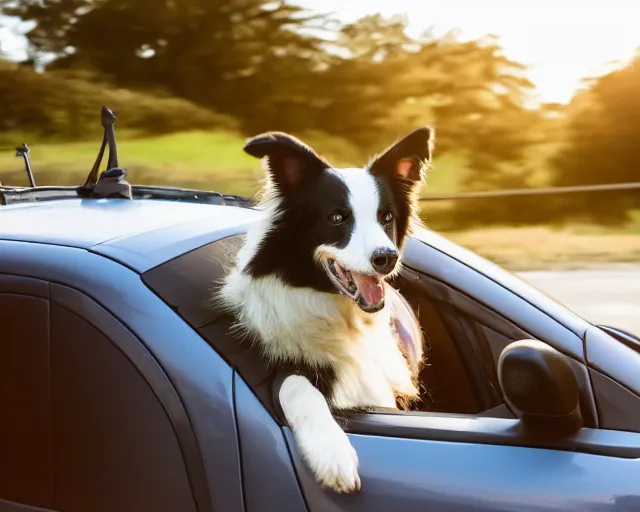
column 288, row 160
column 408, row 158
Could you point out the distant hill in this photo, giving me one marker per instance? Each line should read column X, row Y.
column 67, row 106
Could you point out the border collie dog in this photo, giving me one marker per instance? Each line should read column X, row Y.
column 309, row 288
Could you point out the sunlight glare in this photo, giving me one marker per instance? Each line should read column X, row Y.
column 561, row 42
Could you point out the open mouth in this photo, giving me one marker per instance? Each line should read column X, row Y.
column 366, row 290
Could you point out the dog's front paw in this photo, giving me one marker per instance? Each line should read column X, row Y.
column 331, row 457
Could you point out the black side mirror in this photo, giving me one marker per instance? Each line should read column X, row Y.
column 540, row 388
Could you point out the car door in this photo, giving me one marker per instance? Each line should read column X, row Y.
column 463, row 463
column 81, row 427
column 481, row 461
column 476, row 456
column 132, row 419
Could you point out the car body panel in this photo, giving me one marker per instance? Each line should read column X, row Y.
column 489, row 430
column 267, row 469
column 88, row 222
column 142, row 252
column 618, row 408
column 612, row 358
column 418, row 475
column 24, row 285
column 185, row 466
column 201, row 378
column 631, row 340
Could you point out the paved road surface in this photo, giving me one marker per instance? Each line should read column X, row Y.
column 606, row 295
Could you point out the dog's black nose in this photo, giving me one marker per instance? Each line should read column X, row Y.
column 384, row 260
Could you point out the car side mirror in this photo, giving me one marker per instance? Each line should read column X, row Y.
column 540, row 387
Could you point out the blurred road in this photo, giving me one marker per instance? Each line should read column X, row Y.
column 605, row 295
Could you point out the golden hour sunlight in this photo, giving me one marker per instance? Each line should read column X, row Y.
column 561, row 41
column 320, row 255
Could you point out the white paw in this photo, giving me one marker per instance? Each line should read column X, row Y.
column 331, row 457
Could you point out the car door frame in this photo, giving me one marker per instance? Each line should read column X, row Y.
column 379, row 437
column 198, row 390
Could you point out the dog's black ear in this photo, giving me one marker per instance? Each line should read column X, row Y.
column 289, row 161
column 408, row 158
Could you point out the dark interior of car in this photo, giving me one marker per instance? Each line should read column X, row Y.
column 446, row 379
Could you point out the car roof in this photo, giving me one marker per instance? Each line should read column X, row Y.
column 139, row 233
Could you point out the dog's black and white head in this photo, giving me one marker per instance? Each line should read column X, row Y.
column 337, row 230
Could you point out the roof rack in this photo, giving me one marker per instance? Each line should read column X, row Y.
column 13, row 195
column 111, row 182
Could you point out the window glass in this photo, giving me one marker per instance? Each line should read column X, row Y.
column 25, row 401
column 461, row 349
column 80, row 427
column 114, row 447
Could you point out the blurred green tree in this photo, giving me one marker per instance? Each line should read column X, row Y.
column 601, row 145
column 236, row 56
column 273, row 65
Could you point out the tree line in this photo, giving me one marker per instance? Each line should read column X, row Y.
column 274, row 65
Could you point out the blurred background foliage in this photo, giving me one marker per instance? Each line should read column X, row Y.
column 190, row 79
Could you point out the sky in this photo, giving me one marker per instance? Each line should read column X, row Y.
column 562, row 41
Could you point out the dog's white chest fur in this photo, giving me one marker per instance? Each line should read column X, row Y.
column 300, row 324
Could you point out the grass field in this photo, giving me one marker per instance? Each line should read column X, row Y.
column 212, row 160
column 215, row 161
column 197, row 159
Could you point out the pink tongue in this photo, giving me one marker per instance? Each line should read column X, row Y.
column 370, row 289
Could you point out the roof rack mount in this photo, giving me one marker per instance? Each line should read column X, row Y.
column 23, row 151
column 111, row 182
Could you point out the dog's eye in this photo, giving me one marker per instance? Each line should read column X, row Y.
column 338, row 217
column 386, row 217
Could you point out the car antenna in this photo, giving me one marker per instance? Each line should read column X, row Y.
column 111, row 182
column 23, row 151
